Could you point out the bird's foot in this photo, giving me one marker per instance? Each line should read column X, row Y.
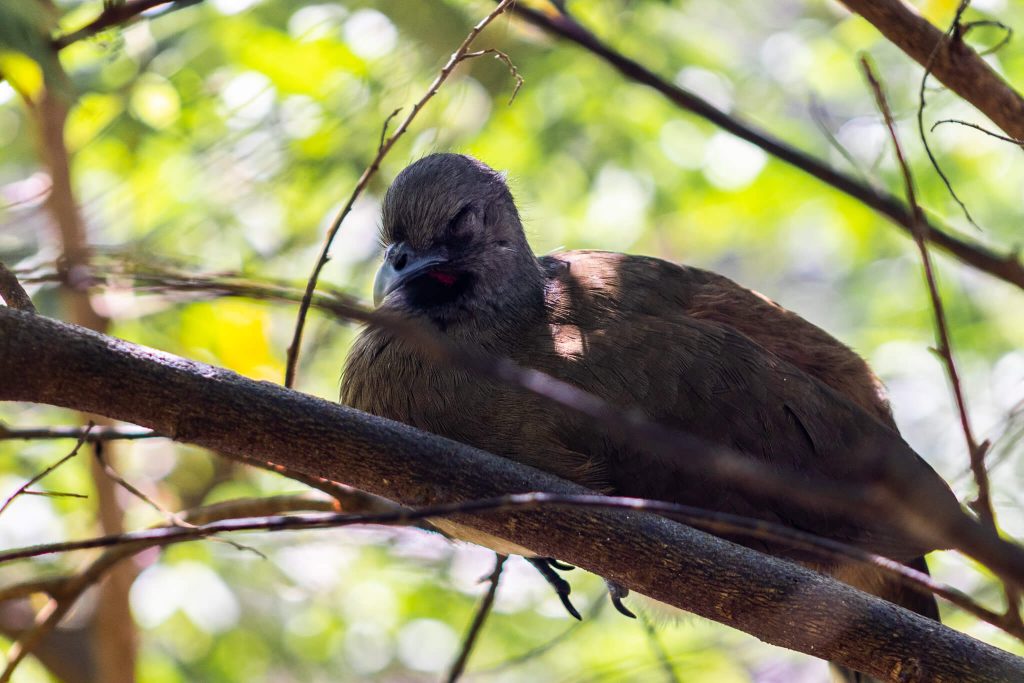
column 546, row 566
column 616, row 593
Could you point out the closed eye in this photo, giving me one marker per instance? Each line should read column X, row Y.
column 453, row 224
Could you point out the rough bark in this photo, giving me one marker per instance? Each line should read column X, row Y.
column 45, row 361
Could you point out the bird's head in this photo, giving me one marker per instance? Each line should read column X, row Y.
column 455, row 248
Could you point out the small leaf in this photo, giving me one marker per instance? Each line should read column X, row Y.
column 23, row 73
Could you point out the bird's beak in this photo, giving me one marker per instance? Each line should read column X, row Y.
column 401, row 264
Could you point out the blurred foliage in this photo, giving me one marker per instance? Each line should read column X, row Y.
column 223, row 136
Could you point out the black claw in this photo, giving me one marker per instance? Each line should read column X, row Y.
column 569, row 607
column 561, row 586
column 560, row 565
column 616, row 593
column 617, row 601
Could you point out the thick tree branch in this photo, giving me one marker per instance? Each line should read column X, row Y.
column 217, row 409
column 949, row 59
column 1006, row 267
column 889, row 485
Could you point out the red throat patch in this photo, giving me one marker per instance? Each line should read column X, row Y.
column 447, row 279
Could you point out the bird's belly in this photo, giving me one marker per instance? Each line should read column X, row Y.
column 465, row 533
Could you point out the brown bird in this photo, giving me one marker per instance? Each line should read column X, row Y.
column 690, row 349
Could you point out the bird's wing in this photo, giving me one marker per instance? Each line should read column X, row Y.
column 626, row 338
column 640, row 284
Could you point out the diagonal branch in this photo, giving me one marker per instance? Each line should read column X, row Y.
column 116, row 14
column 949, row 59
column 65, row 592
column 894, row 486
column 652, row 555
column 461, row 54
column 24, row 487
column 12, row 292
column 483, row 610
column 976, row 451
column 1006, row 267
column 983, row 506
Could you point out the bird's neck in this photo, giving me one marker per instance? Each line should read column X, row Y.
column 511, row 302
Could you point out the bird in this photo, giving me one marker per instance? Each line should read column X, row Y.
column 688, row 348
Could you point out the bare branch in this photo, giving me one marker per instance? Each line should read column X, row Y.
column 12, row 292
column 461, row 54
column 652, row 555
column 114, row 14
column 109, row 471
column 949, row 58
column 24, row 487
column 975, row 126
column 1006, row 267
column 983, row 506
column 65, row 592
column 921, row 103
column 892, row 488
column 89, row 435
column 483, row 610
column 708, row 520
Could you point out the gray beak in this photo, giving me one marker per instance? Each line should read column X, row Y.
column 402, row 264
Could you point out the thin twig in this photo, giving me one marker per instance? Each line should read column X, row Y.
column 952, row 33
column 462, row 53
column 54, row 494
column 483, row 610
column 659, row 649
column 114, row 476
column 983, row 505
column 384, row 128
column 501, row 56
column 24, row 487
column 64, row 592
column 978, row 23
column 1004, row 138
column 715, row 522
column 818, row 115
column 11, row 291
column 1006, row 267
column 592, row 614
column 50, row 615
column 114, row 14
column 92, row 435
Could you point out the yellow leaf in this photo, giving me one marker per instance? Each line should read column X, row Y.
column 23, row 73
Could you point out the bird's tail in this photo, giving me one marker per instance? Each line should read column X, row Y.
column 900, row 594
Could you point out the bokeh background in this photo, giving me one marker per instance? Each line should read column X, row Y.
column 224, row 136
